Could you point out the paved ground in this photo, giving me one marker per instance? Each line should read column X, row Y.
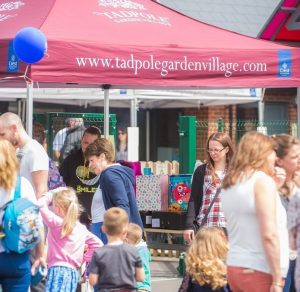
column 164, row 275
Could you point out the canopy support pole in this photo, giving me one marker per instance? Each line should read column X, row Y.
column 106, row 110
column 147, row 135
column 261, row 114
column 298, row 111
column 29, row 108
column 133, row 112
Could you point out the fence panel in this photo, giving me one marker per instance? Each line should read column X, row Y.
column 55, row 121
column 236, row 129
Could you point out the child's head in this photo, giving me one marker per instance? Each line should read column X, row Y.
column 205, row 259
column 134, row 234
column 66, row 205
column 115, row 222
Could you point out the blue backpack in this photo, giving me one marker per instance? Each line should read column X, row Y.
column 21, row 223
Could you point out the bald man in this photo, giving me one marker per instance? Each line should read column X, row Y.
column 34, row 161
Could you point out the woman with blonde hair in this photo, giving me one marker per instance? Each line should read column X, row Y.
column 205, row 261
column 15, row 268
column 69, row 242
column 205, row 206
column 256, row 220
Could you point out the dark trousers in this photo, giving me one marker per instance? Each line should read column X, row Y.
column 15, row 273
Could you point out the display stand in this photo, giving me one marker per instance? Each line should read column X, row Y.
column 170, row 248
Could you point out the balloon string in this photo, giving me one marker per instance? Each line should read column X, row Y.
column 25, row 77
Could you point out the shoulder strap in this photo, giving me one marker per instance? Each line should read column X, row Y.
column 17, row 194
column 210, row 206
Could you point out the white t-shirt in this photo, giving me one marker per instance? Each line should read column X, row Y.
column 97, row 209
column 32, row 157
column 26, row 191
column 245, row 242
column 59, row 139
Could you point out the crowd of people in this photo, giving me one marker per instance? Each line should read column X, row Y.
column 242, row 226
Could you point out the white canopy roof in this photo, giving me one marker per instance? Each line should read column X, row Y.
column 144, row 98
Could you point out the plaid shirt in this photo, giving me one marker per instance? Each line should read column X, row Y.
column 215, row 217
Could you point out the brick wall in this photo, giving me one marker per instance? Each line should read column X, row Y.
column 207, row 123
column 212, row 114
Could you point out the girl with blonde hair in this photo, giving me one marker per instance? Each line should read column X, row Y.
column 205, row 261
column 256, row 220
column 69, row 242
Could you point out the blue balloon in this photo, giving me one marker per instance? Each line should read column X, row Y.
column 30, row 45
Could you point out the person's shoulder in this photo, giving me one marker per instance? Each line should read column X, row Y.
column 295, row 199
column 74, row 157
column 261, row 176
column 27, row 190
column 131, row 249
column 103, row 250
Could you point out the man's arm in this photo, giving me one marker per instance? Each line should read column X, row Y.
column 40, row 182
column 93, row 279
column 56, row 154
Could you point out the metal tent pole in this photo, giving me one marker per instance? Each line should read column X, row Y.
column 106, row 110
column 29, row 108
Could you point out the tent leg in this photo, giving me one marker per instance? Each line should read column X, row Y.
column 133, row 112
column 106, row 112
column 147, row 135
column 29, row 108
column 261, row 115
column 298, row 111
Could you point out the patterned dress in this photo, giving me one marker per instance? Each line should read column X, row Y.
column 294, row 223
column 216, row 217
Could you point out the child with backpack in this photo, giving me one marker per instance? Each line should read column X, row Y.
column 69, row 242
column 205, row 261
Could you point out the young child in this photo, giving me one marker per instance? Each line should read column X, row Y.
column 69, row 242
column 116, row 266
column 205, row 261
column 134, row 237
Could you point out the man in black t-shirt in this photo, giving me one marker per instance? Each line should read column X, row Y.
column 76, row 173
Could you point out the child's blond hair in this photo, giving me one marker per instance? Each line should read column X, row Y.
column 134, row 233
column 67, row 200
column 205, row 259
column 115, row 221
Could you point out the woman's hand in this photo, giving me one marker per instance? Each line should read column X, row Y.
column 279, row 177
column 276, row 289
column 188, row 236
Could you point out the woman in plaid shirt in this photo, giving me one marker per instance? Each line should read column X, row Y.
column 207, row 179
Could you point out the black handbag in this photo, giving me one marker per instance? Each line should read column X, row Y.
column 196, row 225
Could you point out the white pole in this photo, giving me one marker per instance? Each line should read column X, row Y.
column 29, row 108
column 147, row 135
column 133, row 112
column 106, row 111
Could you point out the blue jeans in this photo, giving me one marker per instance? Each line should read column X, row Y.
column 289, row 285
column 15, row 275
column 97, row 230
